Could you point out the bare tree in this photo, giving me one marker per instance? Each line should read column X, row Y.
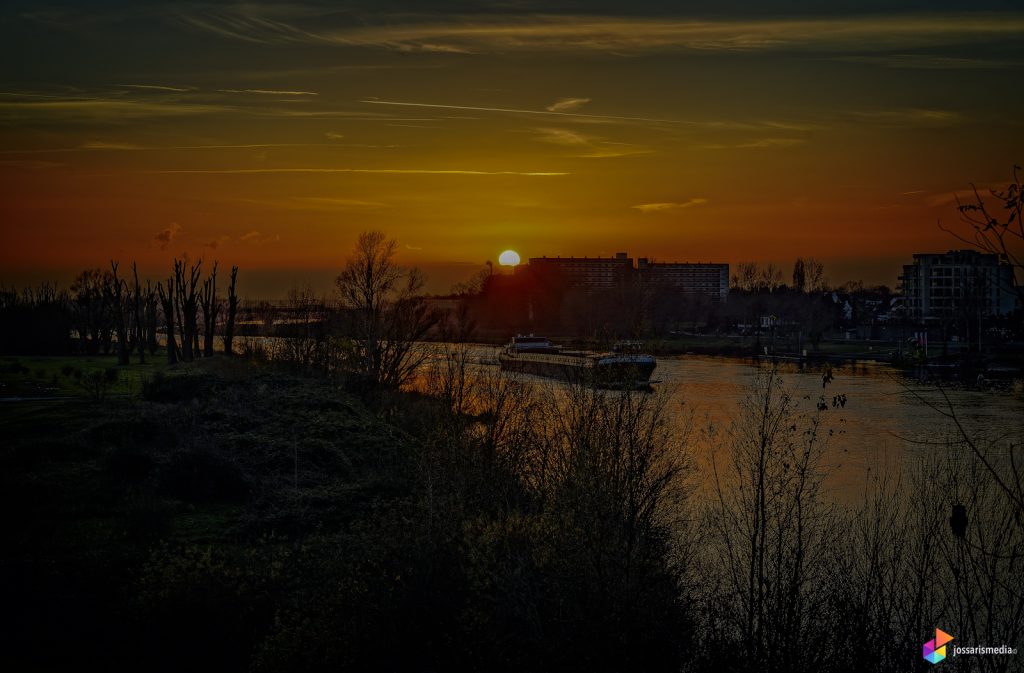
column 151, row 319
column 770, row 278
column 167, row 301
column 140, row 326
column 799, row 275
column 186, row 277
column 994, row 233
column 814, row 273
column 388, row 312
column 91, row 310
column 211, row 307
column 229, row 327
column 771, row 531
column 115, row 291
column 746, row 276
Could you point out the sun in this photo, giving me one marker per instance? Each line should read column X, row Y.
column 508, row 258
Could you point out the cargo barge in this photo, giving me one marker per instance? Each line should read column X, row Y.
column 538, row 356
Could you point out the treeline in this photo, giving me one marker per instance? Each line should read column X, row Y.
column 105, row 312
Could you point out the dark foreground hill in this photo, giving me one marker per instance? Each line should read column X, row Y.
column 234, row 516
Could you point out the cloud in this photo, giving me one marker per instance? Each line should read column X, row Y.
column 562, row 137
column 382, row 171
column 567, row 104
column 84, row 108
column 587, row 146
column 312, row 203
column 215, row 243
column 931, row 62
column 758, row 144
column 253, row 23
column 31, row 163
column 270, row 92
column 157, row 87
column 585, row 117
column 256, row 238
column 100, row 145
column 771, row 143
column 661, row 207
column 283, row 23
column 166, row 236
column 908, row 117
column 331, row 135
column 412, row 247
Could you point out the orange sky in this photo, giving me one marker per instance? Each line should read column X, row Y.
column 269, row 135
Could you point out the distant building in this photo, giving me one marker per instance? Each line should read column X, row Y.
column 957, row 283
column 592, row 273
column 711, row 280
column 602, row 273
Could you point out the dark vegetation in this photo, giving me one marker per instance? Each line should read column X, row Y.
column 238, row 516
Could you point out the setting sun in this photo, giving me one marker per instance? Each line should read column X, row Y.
column 509, row 258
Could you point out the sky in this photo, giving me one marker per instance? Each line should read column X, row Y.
column 269, row 134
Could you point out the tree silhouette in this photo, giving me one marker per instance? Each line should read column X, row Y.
column 388, row 313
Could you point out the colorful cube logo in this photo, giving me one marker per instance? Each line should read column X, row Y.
column 934, row 651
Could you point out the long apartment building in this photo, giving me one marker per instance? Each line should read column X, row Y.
column 955, row 283
column 603, row 273
column 711, row 280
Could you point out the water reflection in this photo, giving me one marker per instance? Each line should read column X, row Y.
column 886, row 421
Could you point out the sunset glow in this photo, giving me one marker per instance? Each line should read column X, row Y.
column 271, row 134
column 509, row 258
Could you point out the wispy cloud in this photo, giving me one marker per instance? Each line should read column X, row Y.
column 567, row 104
column 913, row 117
column 381, row 171
column 157, row 87
column 311, row 203
column 931, row 62
column 588, row 146
column 557, row 136
column 257, row 238
column 715, row 124
column 270, row 92
column 259, row 24
column 216, row 242
column 34, row 164
column 661, row 207
column 758, row 144
column 164, row 237
column 284, row 23
column 99, row 109
column 101, row 145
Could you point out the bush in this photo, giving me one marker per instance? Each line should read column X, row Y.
column 97, row 383
column 200, row 475
column 177, row 387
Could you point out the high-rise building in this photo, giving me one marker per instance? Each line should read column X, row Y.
column 710, row 280
column 957, row 283
column 593, row 273
column 603, row 273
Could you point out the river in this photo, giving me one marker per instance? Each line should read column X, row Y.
column 886, row 422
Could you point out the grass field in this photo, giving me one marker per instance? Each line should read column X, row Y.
column 69, row 376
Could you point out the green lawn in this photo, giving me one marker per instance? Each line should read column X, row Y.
column 68, row 376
